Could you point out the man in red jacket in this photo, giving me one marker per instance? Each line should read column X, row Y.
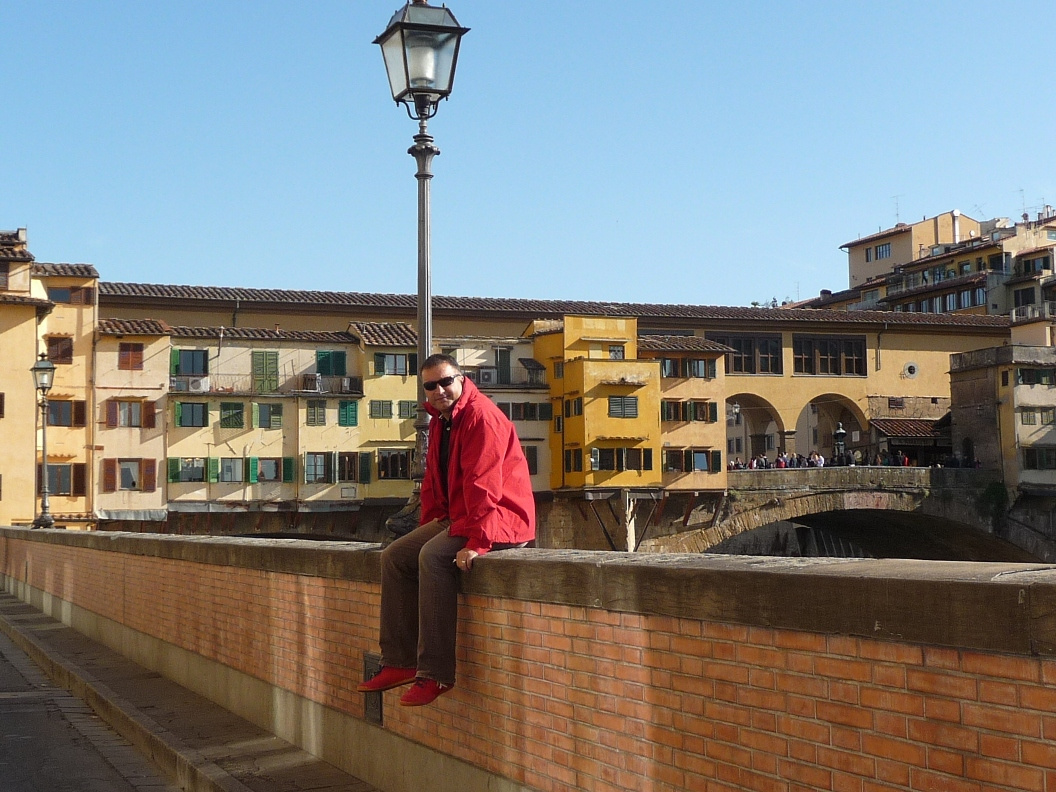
column 476, row 497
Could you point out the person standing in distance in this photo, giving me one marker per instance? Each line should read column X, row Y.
column 476, row 497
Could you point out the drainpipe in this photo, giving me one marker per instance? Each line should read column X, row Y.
column 956, row 225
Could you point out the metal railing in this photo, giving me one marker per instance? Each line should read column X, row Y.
column 247, row 383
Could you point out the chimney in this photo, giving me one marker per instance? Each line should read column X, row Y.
column 956, row 225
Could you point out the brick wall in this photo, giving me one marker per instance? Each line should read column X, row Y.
column 599, row 671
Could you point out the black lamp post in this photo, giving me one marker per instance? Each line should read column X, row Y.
column 420, row 48
column 43, row 378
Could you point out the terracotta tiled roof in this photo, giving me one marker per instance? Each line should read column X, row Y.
column 387, row 334
column 678, row 343
column 111, row 293
column 146, row 327
column 906, row 427
column 13, row 247
column 899, row 228
column 23, row 299
column 65, row 270
column 264, row 334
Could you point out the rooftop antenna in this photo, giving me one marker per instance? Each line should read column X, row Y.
column 898, row 217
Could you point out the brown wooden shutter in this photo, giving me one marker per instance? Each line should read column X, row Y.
column 80, row 478
column 80, row 414
column 148, row 474
column 149, row 409
column 109, row 475
column 111, row 413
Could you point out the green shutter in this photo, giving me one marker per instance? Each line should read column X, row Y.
column 710, row 368
column 256, row 416
column 332, row 477
column 174, row 470
column 379, row 362
column 340, row 367
column 288, row 469
column 364, row 466
column 713, row 411
column 687, row 461
column 348, row 413
column 412, row 367
column 716, row 461
column 252, row 470
column 178, row 412
column 322, row 362
column 213, row 467
column 174, row 362
column 546, row 411
column 276, row 416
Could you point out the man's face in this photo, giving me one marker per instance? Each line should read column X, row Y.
column 443, row 397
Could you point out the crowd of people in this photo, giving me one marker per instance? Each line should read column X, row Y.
column 851, row 458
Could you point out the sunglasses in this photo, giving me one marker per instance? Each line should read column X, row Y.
column 443, row 382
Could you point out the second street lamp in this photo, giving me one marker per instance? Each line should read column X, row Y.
column 420, row 48
column 43, row 378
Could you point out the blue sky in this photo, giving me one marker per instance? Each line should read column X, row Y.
column 705, row 153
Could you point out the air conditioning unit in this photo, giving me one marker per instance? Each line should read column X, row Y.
column 487, row 376
column 177, row 384
column 198, row 384
column 312, row 382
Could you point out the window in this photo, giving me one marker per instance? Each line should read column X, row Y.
column 1039, row 458
column 130, row 357
column 1023, row 297
column 189, row 362
column 573, row 406
column 950, row 302
column 752, row 354
column 267, row 416
column 124, row 412
column 573, row 460
column 60, row 349
column 192, row 414
column 883, row 251
column 620, row 459
column 330, row 362
column 232, row 469
column 623, row 406
column 1029, row 376
column 84, row 295
column 129, row 474
column 380, row 409
column 531, row 454
column 1028, row 417
column 1, row 405
column 559, row 423
column 395, row 363
column 5, row 269
column 268, row 469
column 407, row 409
column 868, row 255
column 1048, row 416
column 828, row 355
column 232, row 415
column 348, row 413
column 66, row 479
column 191, row 469
column 980, row 296
column 526, row 411
column 66, row 413
column 615, row 351
column 318, row 468
column 394, row 464
column 559, row 369
column 687, row 367
column 691, row 460
column 316, row 412
column 353, row 467
column 265, row 371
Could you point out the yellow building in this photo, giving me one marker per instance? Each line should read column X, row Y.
column 20, row 313
column 67, row 336
column 879, row 253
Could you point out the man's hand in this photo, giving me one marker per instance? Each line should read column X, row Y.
column 464, row 559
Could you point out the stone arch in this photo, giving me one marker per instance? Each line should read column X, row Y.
column 753, row 426
column 821, row 415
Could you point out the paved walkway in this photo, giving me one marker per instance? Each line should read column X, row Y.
column 52, row 741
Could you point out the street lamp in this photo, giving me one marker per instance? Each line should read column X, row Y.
column 43, row 378
column 420, row 48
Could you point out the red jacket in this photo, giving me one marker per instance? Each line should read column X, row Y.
column 489, row 491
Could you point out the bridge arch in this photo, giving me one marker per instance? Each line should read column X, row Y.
column 754, row 426
column 819, row 418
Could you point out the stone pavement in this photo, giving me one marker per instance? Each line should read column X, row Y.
column 51, row 741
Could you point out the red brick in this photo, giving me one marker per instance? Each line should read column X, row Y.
column 1002, row 666
column 927, row 781
column 897, row 751
column 1039, row 754
column 1009, row 774
column 942, row 761
column 814, row 777
column 892, row 701
column 943, row 734
column 942, row 684
column 1010, row 721
column 844, row 714
column 840, row 668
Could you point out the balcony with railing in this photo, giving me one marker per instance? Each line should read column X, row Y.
column 278, row 385
column 1033, row 313
column 494, row 377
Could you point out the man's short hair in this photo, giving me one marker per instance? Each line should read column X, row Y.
column 436, row 360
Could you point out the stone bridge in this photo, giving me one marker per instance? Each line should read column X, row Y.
column 964, row 505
